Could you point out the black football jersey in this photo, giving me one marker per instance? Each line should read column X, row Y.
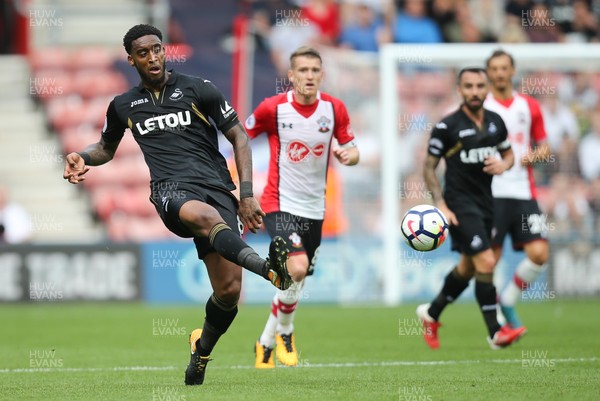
column 177, row 129
column 465, row 147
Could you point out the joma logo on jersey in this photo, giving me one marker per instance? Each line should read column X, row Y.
column 139, row 101
column 477, row 155
column 166, row 121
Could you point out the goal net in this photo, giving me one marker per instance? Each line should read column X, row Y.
column 394, row 99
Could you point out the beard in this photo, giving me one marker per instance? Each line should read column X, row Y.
column 153, row 80
column 473, row 108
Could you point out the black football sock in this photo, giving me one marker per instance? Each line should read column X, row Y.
column 229, row 245
column 219, row 316
column 454, row 285
column 485, row 292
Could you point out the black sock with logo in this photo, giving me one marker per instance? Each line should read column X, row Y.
column 485, row 292
column 231, row 246
column 454, row 285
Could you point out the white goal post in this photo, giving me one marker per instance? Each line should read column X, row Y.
column 555, row 57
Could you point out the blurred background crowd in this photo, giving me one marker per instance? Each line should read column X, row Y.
column 71, row 77
column 364, row 25
column 569, row 182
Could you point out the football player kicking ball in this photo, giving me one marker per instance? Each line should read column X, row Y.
column 300, row 126
column 169, row 116
column 468, row 140
column 516, row 211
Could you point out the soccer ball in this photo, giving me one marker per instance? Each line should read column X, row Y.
column 424, row 228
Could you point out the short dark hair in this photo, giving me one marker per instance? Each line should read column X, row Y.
column 137, row 32
column 477, row 70
column 500, row 53
column 305, row 51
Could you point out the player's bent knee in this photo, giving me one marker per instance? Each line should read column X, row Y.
column 299, row 275
column 485, row 262
column 539, row 259
column 199, row 217
column 538, row 252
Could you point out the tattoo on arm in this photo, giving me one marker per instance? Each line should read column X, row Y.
column 101, row 152
column 430, row 178
column 242, row 151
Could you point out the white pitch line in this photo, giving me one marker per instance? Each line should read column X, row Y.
column 301, row 365
column 115, row 369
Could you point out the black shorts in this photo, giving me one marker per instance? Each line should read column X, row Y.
column 303, row 235
column 169, row 197
column 473, row 233
column 521, row 219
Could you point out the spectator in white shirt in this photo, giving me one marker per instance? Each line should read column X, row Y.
column 15, row 223
column 589, row 149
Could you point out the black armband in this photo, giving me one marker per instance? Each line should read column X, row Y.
column 86, row 157
column 246, row 189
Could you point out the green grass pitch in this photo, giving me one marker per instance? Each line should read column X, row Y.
column 70, row 352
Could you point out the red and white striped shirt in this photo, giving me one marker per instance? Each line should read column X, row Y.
column 523, row 118
column 300, row 141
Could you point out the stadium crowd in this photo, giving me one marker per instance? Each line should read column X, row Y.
column 364, row 25
column 569, row 183
column 569, row 99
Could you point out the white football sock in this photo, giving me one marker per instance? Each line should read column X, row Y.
column 526, row 273
column 267, row 338
column 286, row 307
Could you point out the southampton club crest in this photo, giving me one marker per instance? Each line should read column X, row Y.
column 296, row 240
column 324, row 124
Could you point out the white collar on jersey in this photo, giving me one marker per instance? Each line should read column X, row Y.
column 290, row 95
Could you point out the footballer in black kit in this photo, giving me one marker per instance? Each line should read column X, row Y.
column 468, row 192
column 176, row 120
column 174, row 128
column 469, row 140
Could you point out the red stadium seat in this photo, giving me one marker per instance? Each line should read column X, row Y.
column 105, row 199
column 122, row 227
column 53, row 58
column 107, row 174
column 92, row 83
column 96, row 110
column 92, row 58
column 115, row 198
column 128, row 147
column 75, row 139
column 134, row 171
column 51, row 83
column 76, row 87
column 66, row 111
column 136, row 202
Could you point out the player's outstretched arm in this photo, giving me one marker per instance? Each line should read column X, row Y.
column 433, row 184
column 77, row 164
column 249, row 211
